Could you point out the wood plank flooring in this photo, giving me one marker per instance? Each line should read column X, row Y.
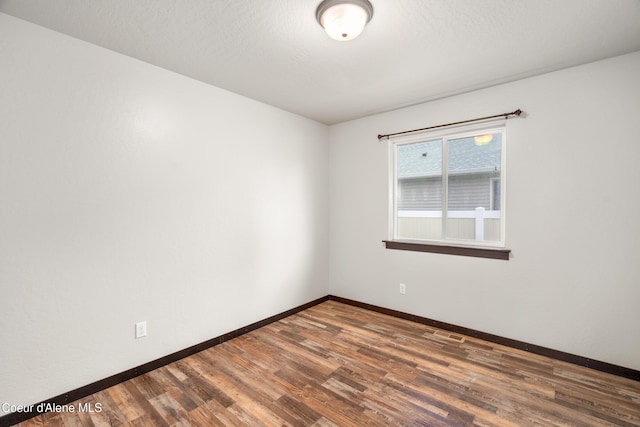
column 338, row 365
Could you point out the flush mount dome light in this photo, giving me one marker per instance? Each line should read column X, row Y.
column 344, row 19
column 481, row 140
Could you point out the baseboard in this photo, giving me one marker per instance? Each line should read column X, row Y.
column 609, row 368
column 81, row 392
column 87, row 390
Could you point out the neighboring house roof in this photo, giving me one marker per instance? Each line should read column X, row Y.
column 424, row 159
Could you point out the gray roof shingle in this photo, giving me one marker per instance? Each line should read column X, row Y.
column 424, row 159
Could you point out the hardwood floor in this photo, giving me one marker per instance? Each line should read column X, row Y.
column 339, row 365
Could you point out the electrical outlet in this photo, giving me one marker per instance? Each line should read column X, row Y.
column 403, row 288
column 141, row 329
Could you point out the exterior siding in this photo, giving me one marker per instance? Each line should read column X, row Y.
column 420, row 194
column 466, row 192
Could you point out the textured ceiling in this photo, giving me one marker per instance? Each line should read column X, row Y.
column 411, row 51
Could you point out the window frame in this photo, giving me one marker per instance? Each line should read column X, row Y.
column 446, row 135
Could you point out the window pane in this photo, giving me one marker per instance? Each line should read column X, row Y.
column 473, row 187
column 419, row 190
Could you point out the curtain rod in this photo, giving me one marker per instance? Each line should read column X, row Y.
column 518, row 112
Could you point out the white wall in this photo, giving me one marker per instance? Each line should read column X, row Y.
column 131, row 193
column 573, row 170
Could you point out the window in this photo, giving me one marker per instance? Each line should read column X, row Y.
column 448, row 187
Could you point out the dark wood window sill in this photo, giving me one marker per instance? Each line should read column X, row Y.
column 449, row 250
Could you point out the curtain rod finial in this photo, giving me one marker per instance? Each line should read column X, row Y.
column 516, row 113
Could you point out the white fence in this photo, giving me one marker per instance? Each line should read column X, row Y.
column 479, row 224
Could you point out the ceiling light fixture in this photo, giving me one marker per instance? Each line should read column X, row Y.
column 344, row 19
column 481, row 140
